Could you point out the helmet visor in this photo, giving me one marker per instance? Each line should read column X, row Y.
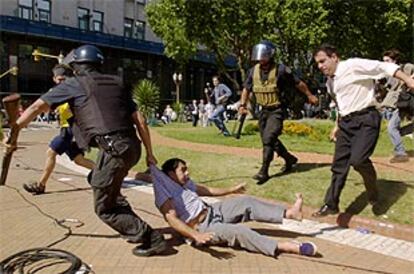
column 262, row 52
column 69, row 58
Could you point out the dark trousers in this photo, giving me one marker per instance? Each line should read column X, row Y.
column 271, row 126
column 355, row 143
column 113, row 164
column 194, row 119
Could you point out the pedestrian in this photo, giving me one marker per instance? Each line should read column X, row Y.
column 104, row 116
column 221, row 94
column 203, row 116
column 351, row 84
column 391, row 113
column 267, row 81
column 62, row 143
column 194, row 113
column 177, row 198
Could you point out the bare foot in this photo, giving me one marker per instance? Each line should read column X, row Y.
column 295, row 212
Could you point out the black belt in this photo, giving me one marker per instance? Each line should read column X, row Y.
column 358, row 113
column 106, row 141
column 270, row 108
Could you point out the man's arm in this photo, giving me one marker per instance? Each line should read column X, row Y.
column 409, row 81
column 244, row 98
column 226, row 95
column 203, row 190
column 170, row 215
column 143, row 131
column 302, row 87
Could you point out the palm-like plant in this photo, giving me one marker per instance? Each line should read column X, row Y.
column 146, row 95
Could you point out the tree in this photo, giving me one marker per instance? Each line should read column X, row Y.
column 147, row 96
column 367, row 28
column 231, row 28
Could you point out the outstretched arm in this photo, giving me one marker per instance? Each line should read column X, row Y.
column 409, row 81
column 302, row 87
column 170, row 215
column 203, row 190
column 143, row 131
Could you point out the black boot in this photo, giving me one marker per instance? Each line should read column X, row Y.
column 290, row 162
column 263, row 175
column 152, row 245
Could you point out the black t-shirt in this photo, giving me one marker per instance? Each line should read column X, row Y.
column 285, row 78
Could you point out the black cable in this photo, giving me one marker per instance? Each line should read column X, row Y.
column 37, row 258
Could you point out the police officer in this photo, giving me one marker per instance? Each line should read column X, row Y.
column 104, row 116
column 267, row 80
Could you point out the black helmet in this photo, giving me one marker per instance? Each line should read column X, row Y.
column 87, row 54
column 263, row 51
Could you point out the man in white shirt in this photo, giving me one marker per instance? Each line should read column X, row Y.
column 177, row 198
column 351, row 84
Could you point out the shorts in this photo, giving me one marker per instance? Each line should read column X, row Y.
column 62, row 145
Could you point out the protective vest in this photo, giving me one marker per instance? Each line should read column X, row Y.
column 64, row 114
column 106, row 108
column 266, row 92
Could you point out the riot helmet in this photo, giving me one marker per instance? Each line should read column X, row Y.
column 263, row 51
column 87, row 54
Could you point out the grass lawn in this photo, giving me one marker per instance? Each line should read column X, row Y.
column 396, row 188
column 209, row 135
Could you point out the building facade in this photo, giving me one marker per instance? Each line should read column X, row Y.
column 118, row 27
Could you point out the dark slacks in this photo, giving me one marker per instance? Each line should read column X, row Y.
column 112, row 166
column 271, row 126
column 356, row 141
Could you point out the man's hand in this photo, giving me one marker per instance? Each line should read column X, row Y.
column 242, row 110
column 8, row 142
column 239, row 189
column 151, row 160
column 313, row 99
column 202, row 238
column 333, row 134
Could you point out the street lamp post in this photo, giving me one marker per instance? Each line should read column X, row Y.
column 177, row 77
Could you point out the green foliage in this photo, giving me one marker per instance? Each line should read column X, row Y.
column 233, row 27
column 251, row 128
column 367, row 28
column 147, row 96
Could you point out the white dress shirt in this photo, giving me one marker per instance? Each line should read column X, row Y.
column 353, row 83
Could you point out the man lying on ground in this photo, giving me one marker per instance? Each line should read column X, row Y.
column 177, row 198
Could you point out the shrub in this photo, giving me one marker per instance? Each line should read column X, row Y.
column 147, row 96
column 251, row 128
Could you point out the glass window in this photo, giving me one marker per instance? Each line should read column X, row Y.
column 142, row 2
column 128, row 27
column 44, row 10
column 83, row 18
column 97, row 23
column 140, row 30
column 26, row 9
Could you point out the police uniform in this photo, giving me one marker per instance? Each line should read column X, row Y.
column 266, row 87
column 103, row 118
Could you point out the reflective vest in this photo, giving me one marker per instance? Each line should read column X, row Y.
column 106, row 108
column 266, row 92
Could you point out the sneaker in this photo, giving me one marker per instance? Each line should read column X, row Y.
column 153, row 246
column 400, row 159
column 308, row 249
column 34, row 187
